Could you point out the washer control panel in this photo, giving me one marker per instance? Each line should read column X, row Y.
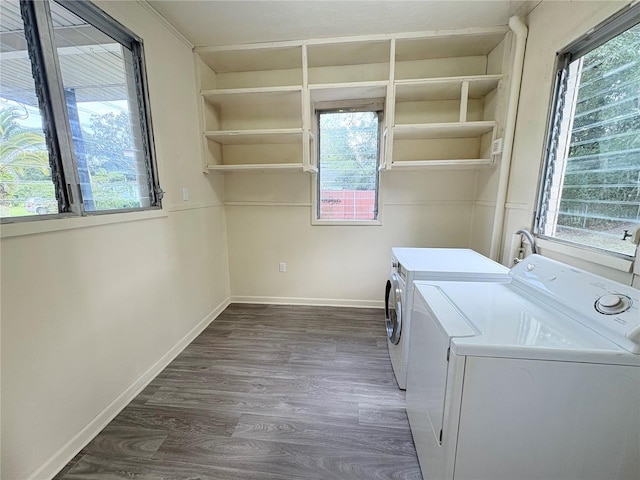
column 610, row 308
column 613, row 303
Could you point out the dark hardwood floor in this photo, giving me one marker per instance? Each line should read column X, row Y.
column 265, row 393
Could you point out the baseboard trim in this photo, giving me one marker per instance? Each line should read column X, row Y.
column 329, row 302
column 52, row 466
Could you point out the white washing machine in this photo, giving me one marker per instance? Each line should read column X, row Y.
column 538, row 378
column 411, row 264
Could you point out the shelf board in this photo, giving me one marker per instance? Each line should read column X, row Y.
column 448, row 163
column 250, row 58
column 446, row 88
column 331, row 92
column 442, row 130
column 256, row 167
column 253, row 96
column 255, row 137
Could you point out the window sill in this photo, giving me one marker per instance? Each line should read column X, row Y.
column 68, row 223
column 612, row 260
column 347, row 223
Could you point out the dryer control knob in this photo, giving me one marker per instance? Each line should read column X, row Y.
column 612, row 304
column 609, row 301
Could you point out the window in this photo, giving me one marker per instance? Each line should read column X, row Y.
column 348, row 153
column 74, row 117
column 590, row 193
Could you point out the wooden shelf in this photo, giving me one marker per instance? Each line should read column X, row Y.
column 253, row 96
column 255, row 137
column 464, row 163
column 442, row 130
column 446, row 88
column 256, row 167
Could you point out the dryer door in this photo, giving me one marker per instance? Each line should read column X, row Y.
column 393, row 308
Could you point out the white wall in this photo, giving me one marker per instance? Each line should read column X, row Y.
column 269, row 221
column 552, row 26
column 87, row 312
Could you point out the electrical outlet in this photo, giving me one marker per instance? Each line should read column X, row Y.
column 185, row 194
column 282, row 267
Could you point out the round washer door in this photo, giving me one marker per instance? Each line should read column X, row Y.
column 393, row 309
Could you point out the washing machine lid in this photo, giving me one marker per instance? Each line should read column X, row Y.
column 448, row 263
column 508, row 324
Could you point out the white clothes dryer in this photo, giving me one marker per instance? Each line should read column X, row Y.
column 535, row 378
column 411, row 264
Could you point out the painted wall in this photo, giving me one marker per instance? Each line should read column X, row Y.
column 269, row 214
column 269, row 221
column 552, row 26
column 88, row 312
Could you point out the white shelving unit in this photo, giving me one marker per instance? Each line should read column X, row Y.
column 447, row 99
column 251, row 98
column 442, row 95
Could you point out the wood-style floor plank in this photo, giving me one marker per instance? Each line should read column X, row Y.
column 265, row 393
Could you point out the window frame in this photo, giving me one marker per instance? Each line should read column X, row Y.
column 623, row 20
column 42, row 52
column 374, row 106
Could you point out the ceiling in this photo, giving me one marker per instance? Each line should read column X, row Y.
column 214, row 23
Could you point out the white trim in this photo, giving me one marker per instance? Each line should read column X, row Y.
column 247, row 46
column 52, row 466
column 393, row 203
column 329, row 302
column 381, row 37
column 411, row 203
column 346, row 223
column 43, row 225
column 201, row 111
column 193, row 206
column 165, row 23
column 267, row 204
column 585, row 254
column 517, row 206
column 8, row 230
column 485, row 203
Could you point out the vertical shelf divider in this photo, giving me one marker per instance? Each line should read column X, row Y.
column 464, row 100
column 306, row 114
column 389, row 116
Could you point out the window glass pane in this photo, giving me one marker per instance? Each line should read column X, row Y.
column 348, row 166
column 100, row 93
column 595, row 191
column 26, row 187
